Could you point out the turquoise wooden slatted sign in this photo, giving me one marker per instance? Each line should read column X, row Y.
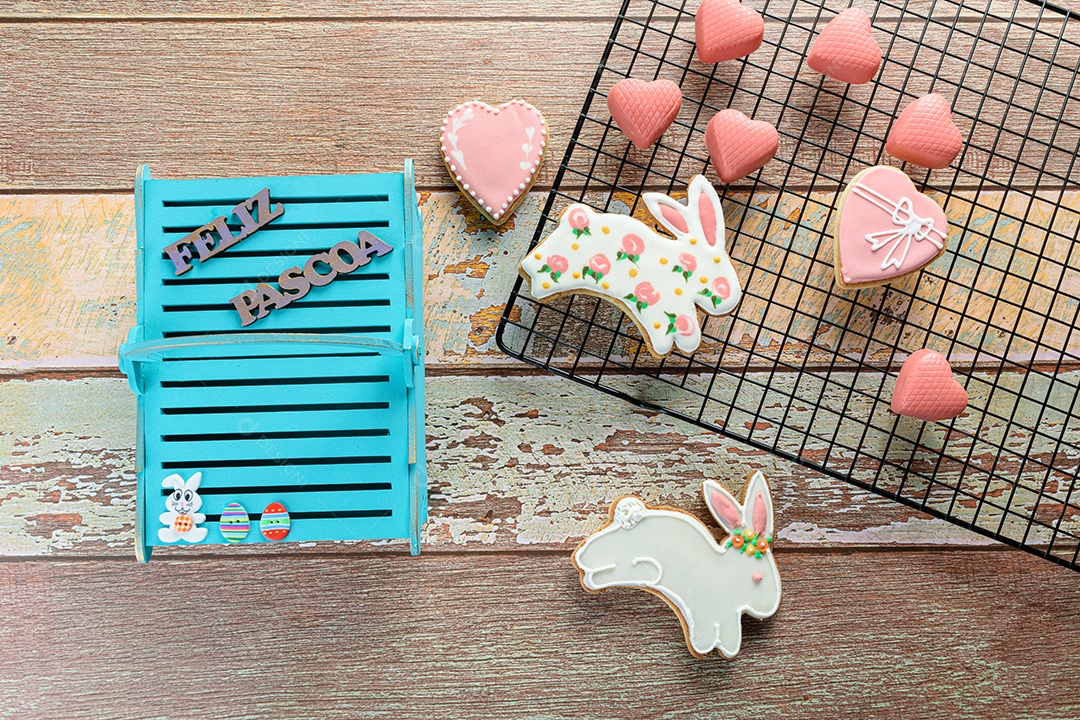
column 316, row 407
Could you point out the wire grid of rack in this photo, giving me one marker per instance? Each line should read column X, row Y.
column 805, row 369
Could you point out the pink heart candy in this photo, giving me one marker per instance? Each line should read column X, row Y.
column 926, row 389
column 726, row 29
column 886, row 229
column 493, row 154
column 925, row 134
column 738, row 145
column 846, row 50
column 644, row 110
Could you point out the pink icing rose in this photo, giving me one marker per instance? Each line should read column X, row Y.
column 688, row 261
column 579, row 219
column 721, row 287
column 558, row 263
column 599, row 264
column 632, row 245
column 685, row 325
column 646, row 293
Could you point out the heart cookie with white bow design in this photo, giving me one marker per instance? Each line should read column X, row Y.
column 494, row 154
column 885, row 229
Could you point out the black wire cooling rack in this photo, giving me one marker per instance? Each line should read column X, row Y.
column 805, row 369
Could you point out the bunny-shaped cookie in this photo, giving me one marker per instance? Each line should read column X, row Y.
column 671, row 554
column 659, row 281
column 182, row 517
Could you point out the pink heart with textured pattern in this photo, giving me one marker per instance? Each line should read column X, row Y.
column 644, row 110
column 846, row 50
column 738, row 145
column 926, row 389
column 493, row 154
column 726, row 29
column 925, row 134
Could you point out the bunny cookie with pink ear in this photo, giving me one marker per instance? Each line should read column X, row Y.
column 659, row 281
column 671, row 554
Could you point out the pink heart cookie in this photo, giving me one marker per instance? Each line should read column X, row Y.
column 885, row 229
column 726, row 29
column 925, row 134
column 846, row 50
column 644, row 110
column 493, row 154
column 926, row 389
column 738, row 145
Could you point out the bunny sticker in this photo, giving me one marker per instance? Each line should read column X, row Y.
column 659, row 281
column 670, row 553
column 182, row 517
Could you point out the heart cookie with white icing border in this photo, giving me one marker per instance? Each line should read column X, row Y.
column 885, row 229
column 494, row 154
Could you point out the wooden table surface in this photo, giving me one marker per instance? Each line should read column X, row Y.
column 886, row 611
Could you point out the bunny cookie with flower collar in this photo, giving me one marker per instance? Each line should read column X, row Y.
column 669, row 553
column 493, row 154
column 885, row 229
column 657, row 280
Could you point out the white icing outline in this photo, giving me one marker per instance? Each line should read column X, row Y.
column 455, row 127
column 913, row 228
column 693, row 557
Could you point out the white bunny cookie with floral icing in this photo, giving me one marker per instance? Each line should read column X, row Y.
column 659, row 281
column 669, row 553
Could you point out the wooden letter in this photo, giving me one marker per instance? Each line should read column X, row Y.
column 293, row 279
column 269, row 299
column 313, row 275
column 260, row 203
column 244, row 302
column 180, row 254
column 350, row 249
column 295, row 282
column 370, row 244
column 213, row 238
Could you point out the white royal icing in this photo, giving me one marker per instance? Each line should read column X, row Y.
column 658, row 280
column 452, row 136
column 710, row 585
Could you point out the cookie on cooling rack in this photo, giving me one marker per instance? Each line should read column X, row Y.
column 846, row 49
column 927, row 390
column 659, row 281
column 925, row 134
column 726, row 30
column 644, row 110
column 885, row 229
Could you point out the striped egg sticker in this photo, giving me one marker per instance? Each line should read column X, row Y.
column 275, row 522
column 234, row 522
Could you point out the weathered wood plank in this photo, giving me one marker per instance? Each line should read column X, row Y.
column 323, row 9
column 72, row 255
column 68, row 286
column 514, row 463
column 933, row 634
column 72, row 85
column 134, row 10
